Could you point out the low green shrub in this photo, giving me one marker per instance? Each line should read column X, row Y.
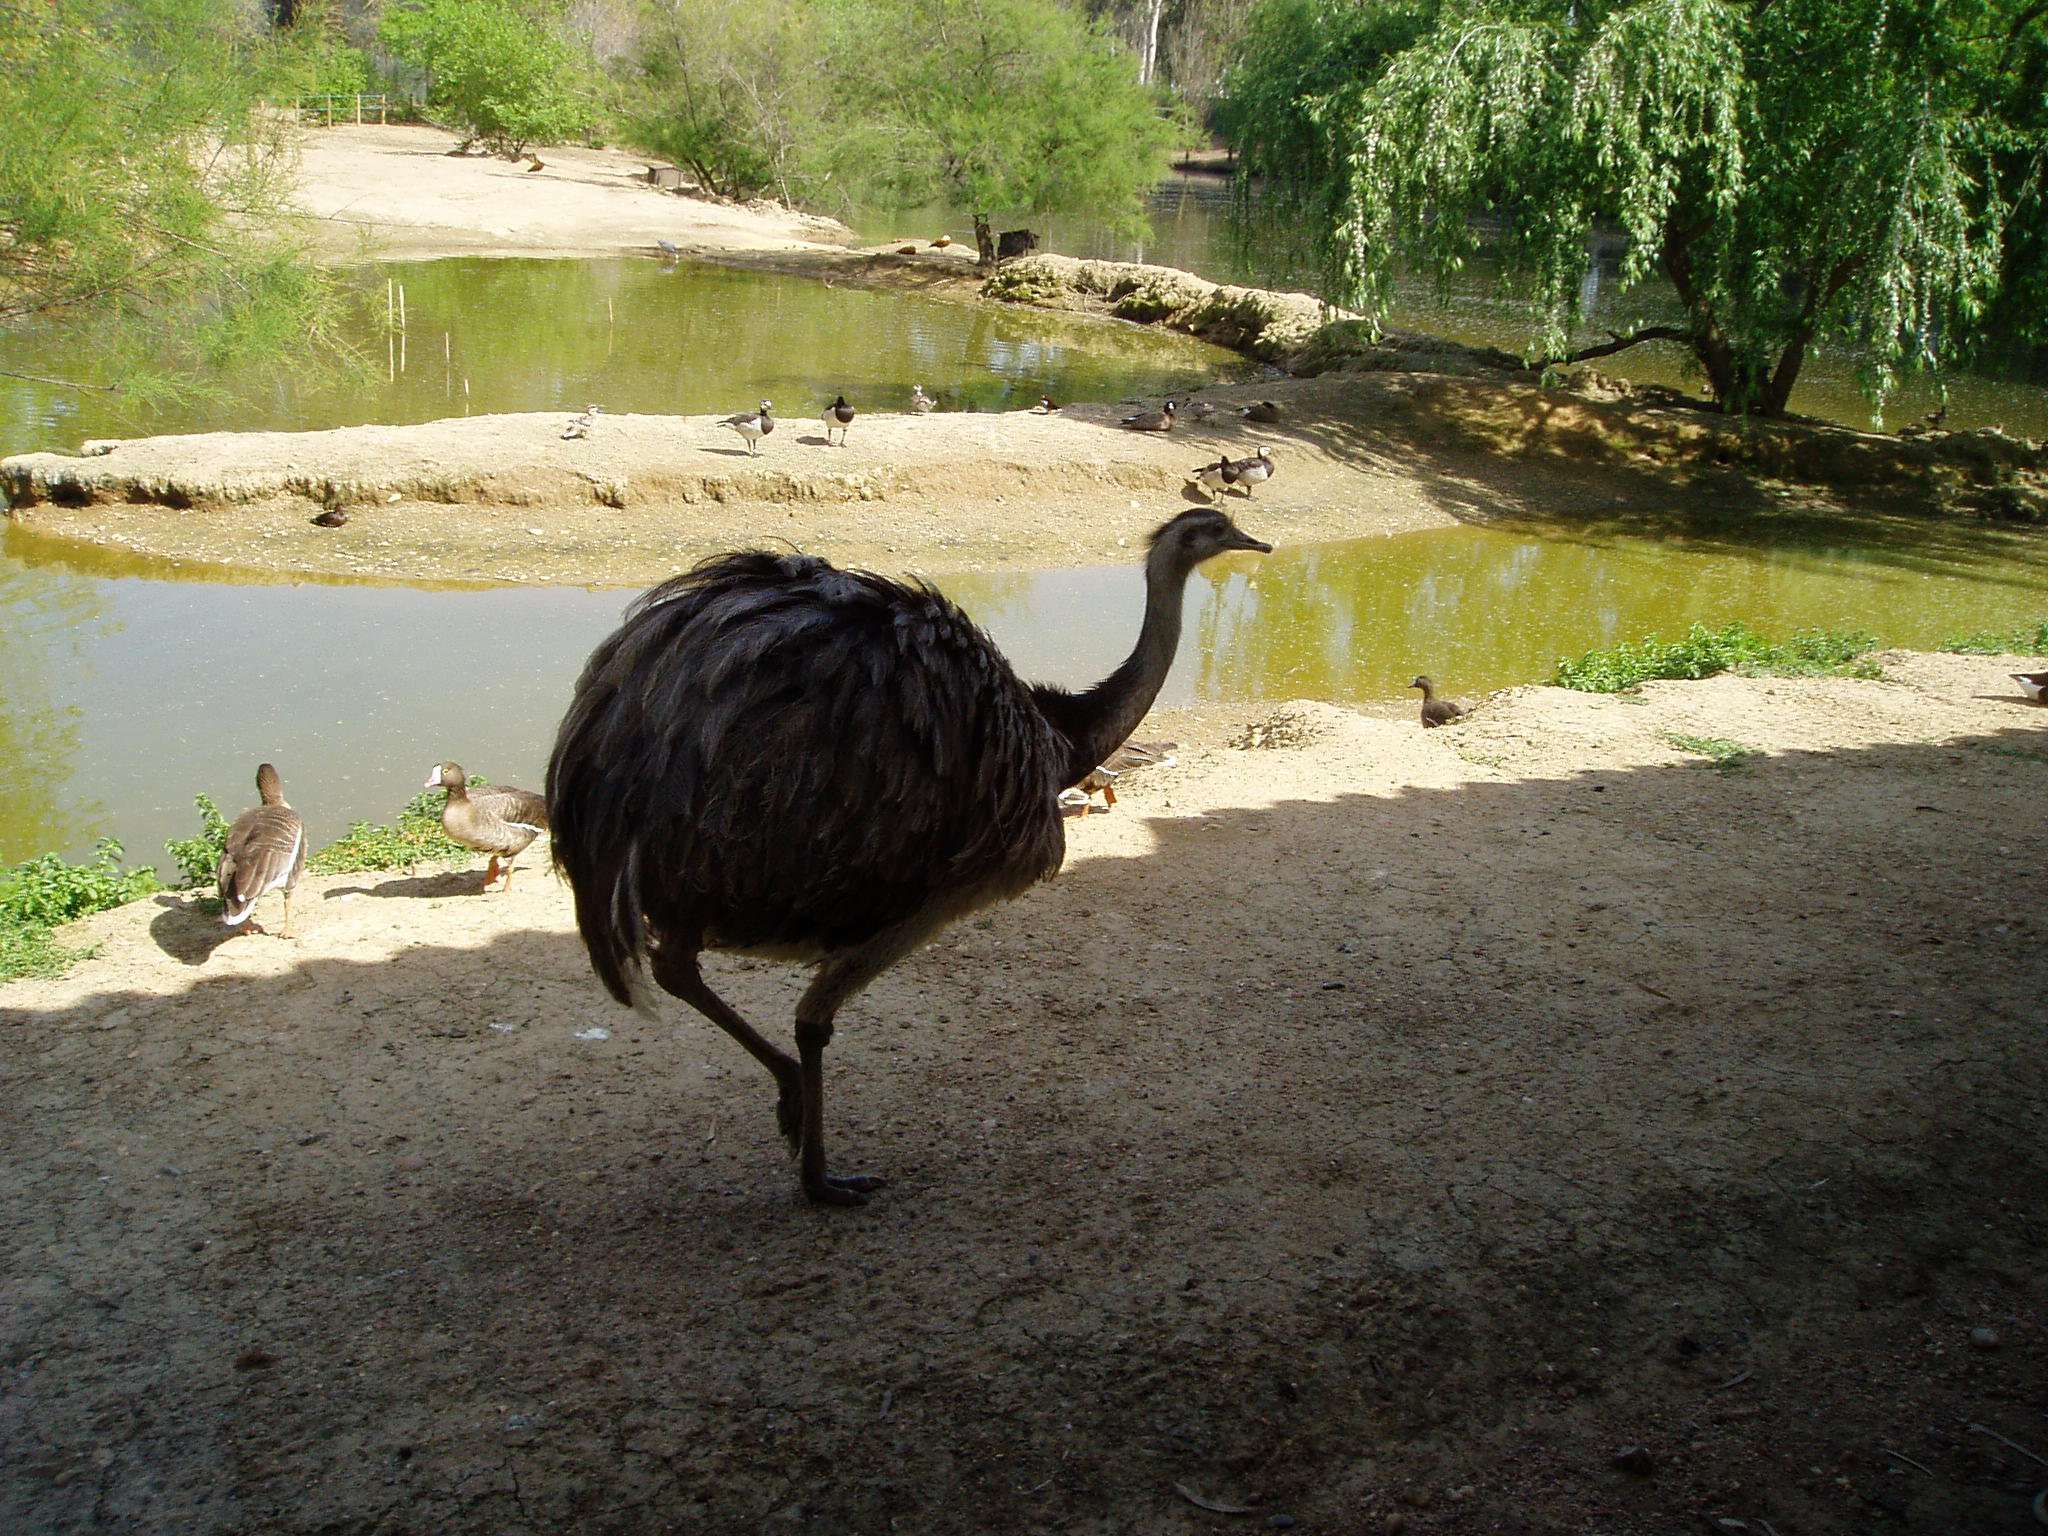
column 415, row 838
column 46, row 892
column 2027, row 640
column 1724, row 755
column 198, row 858
column 1702, row 652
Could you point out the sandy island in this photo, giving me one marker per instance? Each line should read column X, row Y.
column 1523, row 1126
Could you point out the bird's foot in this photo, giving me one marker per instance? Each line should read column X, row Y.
column 843, row 1189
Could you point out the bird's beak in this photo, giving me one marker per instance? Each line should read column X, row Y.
column 1246, row 541
column 433, row 779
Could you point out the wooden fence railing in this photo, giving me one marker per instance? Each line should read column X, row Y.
column 358, row 108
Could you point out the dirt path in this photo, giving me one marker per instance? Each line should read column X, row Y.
column 1376, row 1130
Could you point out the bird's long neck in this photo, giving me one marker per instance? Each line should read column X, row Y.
column 1103, row 718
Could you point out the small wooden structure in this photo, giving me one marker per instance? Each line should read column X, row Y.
column 358, row 108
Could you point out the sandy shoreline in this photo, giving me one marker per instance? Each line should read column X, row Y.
column 1366, row 1123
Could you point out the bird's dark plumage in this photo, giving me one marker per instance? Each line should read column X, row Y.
column 752, row 426
column 1261, row 411
column 1160, row 420
column 838, row 417
column 776, row 756
column 1435, row 711
column 265, row 850
column 332, row 517
column 2035, row 684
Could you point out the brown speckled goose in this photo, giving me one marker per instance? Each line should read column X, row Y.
column 1435, row 711
column 492, row 818
column 265, row 851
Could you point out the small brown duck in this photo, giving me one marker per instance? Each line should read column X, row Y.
column 1435, row 711
column 1151, row 421
column 921, row 402
column 332, row 517
column 1047, row 404
column 1263, row 411
column 2034, row 683
column 493, row 818
column 265, row 851
column 1128, row 758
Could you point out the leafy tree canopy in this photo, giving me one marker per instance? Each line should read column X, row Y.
column 143, row 195
column 1800, row 170
column 997, row 106
column 503, row 70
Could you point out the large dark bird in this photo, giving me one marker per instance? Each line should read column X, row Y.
column 265, row 851
column 775, row 757
column 838, row 417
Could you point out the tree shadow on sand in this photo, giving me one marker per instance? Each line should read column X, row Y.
column 1411, row 1167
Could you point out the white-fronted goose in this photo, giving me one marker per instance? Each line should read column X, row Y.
column 753, row 426
column 2035, row 684
column 1128, row 758
column 1435, row 711
column 492, row 818
column 920, row 402
column 265, row 851
column 1256, row 470
column 837, row 415
column 1261, row 410
column 1151, row 421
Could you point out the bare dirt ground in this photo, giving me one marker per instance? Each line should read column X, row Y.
column 1518, row 1127
column 1521, row 1126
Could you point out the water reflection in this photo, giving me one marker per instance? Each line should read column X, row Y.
column 489, row 335
column 127, row 693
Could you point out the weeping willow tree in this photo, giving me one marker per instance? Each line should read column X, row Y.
column 144, row 194
column 1799, row 170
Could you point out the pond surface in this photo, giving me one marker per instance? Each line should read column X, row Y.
column 126, row 687
column 1190, row 226
column 635, row 334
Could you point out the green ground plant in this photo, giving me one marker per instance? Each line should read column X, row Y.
column 198, row 858
column 46, row 892
column 1703, row 652
column 1725, row 756
column 415, row 838
column 2026, row 640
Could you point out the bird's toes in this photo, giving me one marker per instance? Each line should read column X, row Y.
column 842, row 1189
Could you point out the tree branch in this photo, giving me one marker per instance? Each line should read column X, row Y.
column 1620, row 343
column 37, row 378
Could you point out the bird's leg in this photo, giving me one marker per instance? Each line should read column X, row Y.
column 508, row 874
column 286, row 932
column 491, row 873
column 812, row 1036
column 676, row 970
column 1108, row 796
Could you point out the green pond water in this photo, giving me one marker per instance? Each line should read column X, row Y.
column 126, row 686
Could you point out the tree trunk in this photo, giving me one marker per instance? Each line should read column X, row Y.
column 984, row 240
column 1148, row 55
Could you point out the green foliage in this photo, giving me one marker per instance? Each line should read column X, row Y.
column 416, row 838
column 1702, row 652
column 144, row 198
column 46, row 892
column 1801, row 172
column 1725, row 756
column 501, row 69
column 1005, row 107
column 2026, row 640
column 198, row 858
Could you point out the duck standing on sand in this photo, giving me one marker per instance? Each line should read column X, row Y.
column 492, row 818
column 265, row 851
column 1435, row 711
column 838, row 416
column 2034, row 683
column 753, row 426
column 1214, row 477
column 1256, row 470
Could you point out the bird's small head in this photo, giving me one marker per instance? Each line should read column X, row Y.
column 767, row 406
column 446, row 776
column 1047, row 403
column 1199, row 533
column 1423, row 683
column 1265, row 453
